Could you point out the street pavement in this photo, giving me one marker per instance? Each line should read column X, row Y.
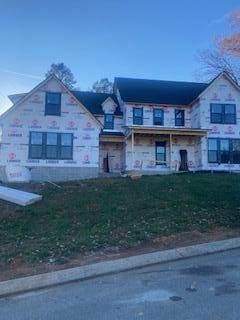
column 206, row 287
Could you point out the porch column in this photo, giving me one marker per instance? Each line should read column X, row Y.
column 170, row 151
column 132, row 149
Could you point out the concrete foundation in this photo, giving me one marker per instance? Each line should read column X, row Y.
column 57, row 173
column 63, row 173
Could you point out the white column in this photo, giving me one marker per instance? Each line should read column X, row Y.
column 170, row 151
column 132, row 149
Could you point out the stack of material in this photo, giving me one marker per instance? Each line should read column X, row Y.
column 19, row 197
column 135, row 175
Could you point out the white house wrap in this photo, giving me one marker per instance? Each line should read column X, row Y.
column 151, row 126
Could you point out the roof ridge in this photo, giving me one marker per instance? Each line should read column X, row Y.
column 92, row 92
column 160, row 80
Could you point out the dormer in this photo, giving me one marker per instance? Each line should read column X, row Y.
column 109, row 108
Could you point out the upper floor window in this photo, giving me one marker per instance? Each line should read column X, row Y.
column 158, row 117
column 53, row 104
column 138, row 116
column 223, row 113
column 51, row 145
column 108, row 121
column 179, row 118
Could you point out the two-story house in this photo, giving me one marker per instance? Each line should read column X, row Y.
column 52, row 133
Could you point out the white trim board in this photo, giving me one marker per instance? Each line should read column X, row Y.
column 19, row 197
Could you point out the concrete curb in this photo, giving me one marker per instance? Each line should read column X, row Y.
column 44, row 280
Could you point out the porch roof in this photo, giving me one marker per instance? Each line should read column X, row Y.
column 111, row 136
column 168, row 131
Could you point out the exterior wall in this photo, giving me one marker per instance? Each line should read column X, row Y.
column 169, row 115
column 144, row 153
column 29, row 116
column 3, row 176
column 195, row 115
column 115, row 156
column 118, row 123
column 222, row 91
column 88, row 155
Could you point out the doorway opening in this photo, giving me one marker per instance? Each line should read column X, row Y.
column 183, row 160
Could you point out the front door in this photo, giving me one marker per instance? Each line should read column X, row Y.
column 183, row 161
column 106, row 164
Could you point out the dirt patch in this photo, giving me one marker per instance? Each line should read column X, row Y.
column 19, row 269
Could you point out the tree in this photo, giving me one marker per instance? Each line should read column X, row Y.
column 230, row 45
column 63, row 73
column 103, row 86
column 214, row 62
column 225, row 54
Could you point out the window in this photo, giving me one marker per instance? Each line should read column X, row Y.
column 230, row 114
column 158, row 117
column 160, row 153
column 224, row 151
column 216, row 113
column 223, row 113
column 109, row 121
column 236, row 151
column 212, row 150
column 51, row 145
column 66, row 148
column 138, row 116
column 179, row 117
column 53, row 104
column 36, row 145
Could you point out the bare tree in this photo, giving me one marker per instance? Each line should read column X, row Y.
column 230, row 44
column 103, row 86
column 62, row 72
column 214, row 62
column 225, row 54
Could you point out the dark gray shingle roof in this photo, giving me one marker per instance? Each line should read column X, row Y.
column 159, row 91
column 93, row 101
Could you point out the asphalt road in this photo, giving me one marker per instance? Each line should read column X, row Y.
column 206, row 287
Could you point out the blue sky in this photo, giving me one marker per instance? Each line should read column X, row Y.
column 133, row 38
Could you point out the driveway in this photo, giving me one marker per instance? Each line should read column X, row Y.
column 206, row 287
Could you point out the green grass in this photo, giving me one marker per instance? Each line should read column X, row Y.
column 89, row 215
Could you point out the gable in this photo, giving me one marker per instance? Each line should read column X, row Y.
column 36, row 97
column 221, row 89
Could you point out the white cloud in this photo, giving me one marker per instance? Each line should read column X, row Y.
column 218, row 21
column 22, row 74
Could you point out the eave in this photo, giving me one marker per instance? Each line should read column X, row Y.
column 153, row 104
column 107, row 138
column 168, row 131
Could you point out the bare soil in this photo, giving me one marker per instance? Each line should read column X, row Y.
column 19, row 269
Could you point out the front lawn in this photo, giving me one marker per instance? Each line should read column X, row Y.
column 89, row 215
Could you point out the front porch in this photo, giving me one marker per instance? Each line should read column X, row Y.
column 163, row 150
